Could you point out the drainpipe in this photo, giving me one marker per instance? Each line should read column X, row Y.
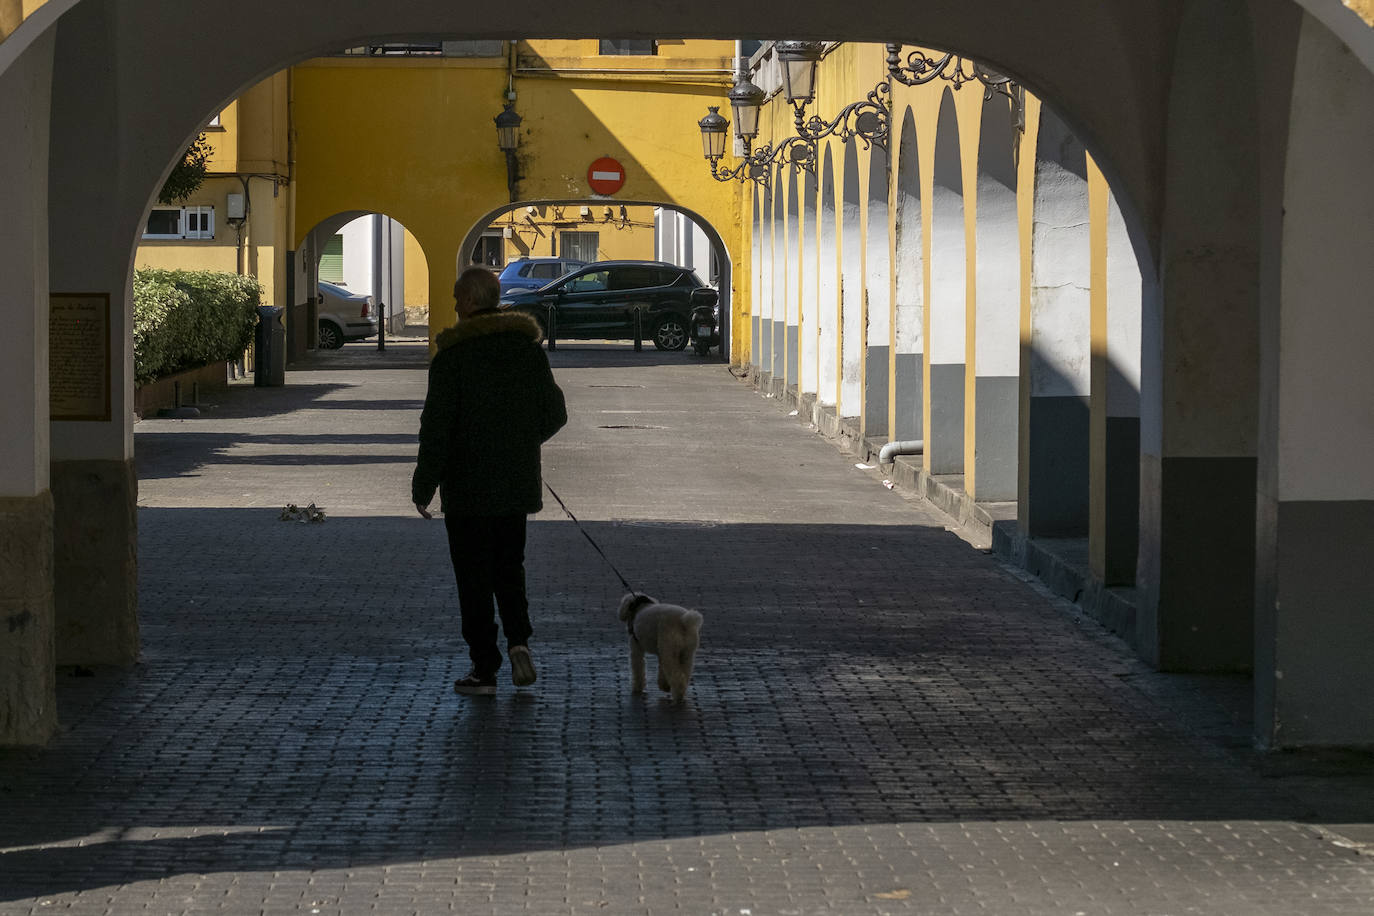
column 890, row 451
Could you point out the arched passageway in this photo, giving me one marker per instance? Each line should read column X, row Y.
column 1195, row 163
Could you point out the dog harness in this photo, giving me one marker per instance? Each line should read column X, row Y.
column 640, row 602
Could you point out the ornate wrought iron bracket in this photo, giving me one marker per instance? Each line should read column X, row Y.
column 920, row 68
column 871, row 119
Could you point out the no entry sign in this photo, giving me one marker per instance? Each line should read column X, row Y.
column 606, row 176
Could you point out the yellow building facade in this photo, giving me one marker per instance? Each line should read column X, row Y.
column 419, row 145
column 238, row 220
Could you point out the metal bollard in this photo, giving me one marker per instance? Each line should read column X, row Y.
column 551, row 323
column 639, row 329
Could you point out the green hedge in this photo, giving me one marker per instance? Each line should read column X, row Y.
column 184, row 319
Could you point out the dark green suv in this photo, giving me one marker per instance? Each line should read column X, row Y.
column 598, row 302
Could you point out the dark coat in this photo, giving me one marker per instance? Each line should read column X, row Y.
column 492, row 402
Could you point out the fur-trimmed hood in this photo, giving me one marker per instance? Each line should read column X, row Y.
column 490, row 322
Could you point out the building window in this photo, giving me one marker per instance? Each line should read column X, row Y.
column 628, row 46
column 580, row 246
column 180, row 223
column 488, row 250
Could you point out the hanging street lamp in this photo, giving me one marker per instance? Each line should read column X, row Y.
column 508, row 138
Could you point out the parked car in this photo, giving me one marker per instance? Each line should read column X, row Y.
column 598, row 302
column 344, row 315
column 532, row 273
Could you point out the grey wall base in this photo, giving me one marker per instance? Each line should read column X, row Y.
column 95, row 541
column 875, row 391
column 1122, row 493
column 1197, row 563
column 1322, row 657
column 793, row 355
column 1057, row 475
column 907, row 387
column 996, row 411
column 28, row 702
column 779, row 349
column 755, row 342
column 945, row 444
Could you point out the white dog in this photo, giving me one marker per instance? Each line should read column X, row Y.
column 666, row 630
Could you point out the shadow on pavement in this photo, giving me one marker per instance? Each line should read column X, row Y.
column 293, row 707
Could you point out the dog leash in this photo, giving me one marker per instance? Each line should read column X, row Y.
column 595, row 546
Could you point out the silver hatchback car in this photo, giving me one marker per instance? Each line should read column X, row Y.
column 343, row 316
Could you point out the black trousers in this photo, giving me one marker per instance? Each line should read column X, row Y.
column 489, row 562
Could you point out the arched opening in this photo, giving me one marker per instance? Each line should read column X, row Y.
column 877, row 276
column 356, row 254
column 908, row 375
column 664, row 232
column 944, row 446
column 996, row 393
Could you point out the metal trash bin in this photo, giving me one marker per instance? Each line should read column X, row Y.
column 269, row 364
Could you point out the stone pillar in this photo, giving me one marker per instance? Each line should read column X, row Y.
column 1200, row 360
column 1054, row 502
column 828, row 284
column 777, row 293
column 810, row 290
column 768, row 280
column 991, row 464
column 947, row 311
column 877, row 270
column 908, row 285
column 1117, row 290
column 28, row 705
column 1315, row 630
column 90, row 238
column 852, row 284
column 792, row 293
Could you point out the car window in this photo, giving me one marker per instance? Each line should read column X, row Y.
column 546, row 271
column 634, row 277
column 590, row 282
column 668, row 275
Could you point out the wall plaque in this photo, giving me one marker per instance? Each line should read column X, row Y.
column 79, row 356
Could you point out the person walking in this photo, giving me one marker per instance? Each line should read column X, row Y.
column 492, row 402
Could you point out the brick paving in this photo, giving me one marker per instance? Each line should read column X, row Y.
column 883, row 719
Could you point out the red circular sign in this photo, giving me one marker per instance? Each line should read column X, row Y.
column 606, row 176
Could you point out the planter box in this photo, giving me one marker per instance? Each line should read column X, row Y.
column 152, row 397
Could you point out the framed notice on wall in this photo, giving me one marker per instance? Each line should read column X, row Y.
column 79, row 356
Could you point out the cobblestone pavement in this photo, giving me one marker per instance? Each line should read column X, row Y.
column 883, row 719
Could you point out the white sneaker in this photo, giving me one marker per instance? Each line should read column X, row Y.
column 521, row 666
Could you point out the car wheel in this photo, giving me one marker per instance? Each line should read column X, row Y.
column 671, row 333
column 701, row 347
column 331, row 337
